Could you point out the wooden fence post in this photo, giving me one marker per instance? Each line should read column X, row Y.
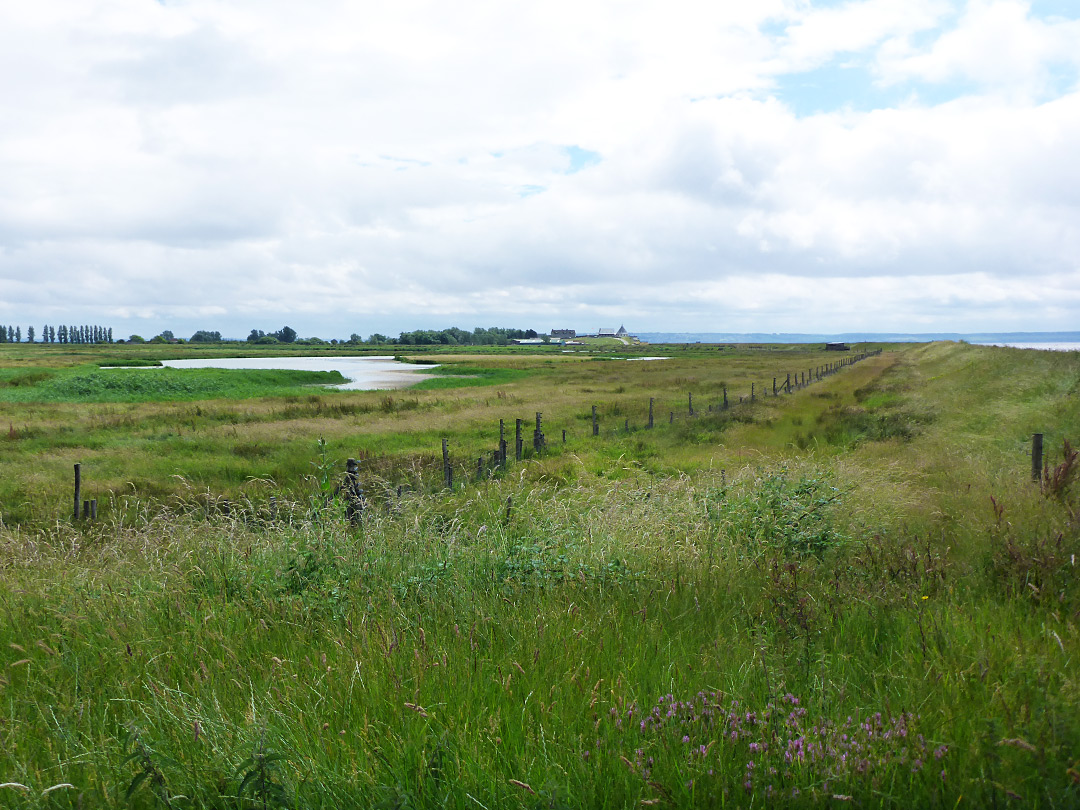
column 502, row 444
column 479, row 468
column 538, row 436
column 517, row 440
column 691, row 403
column 1036, row 456
column 752, row 394
column 78, row 488
column 626, row 425
column 564, row 436
column 725, row 397
column 671, row 418
column 774, row 386
column 788, row 383
column 448, row 474
column 354, row 495
column 650, row 413
column 595, row 424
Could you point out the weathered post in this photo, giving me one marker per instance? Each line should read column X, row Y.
column 509, row 504
column 1036, row 456
column 502, row 444
column 671, row 418
column 86, row 510
column 564, row 436
column 448, row 474
column 774, row 386
column 479, row 468
column 691, row 403
column 752, row 394
column 538, row 436
column 725, row 397
column 626, row 425
column 788, row 383
column 354, row 494
column 517, row 440
column 650, row 413
column 595, row 424
column 78, row 488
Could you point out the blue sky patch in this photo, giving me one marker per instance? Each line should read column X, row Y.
column 834, row 87
column 1055, row 8
column 580, row 158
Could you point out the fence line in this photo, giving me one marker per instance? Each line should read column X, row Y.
column 356, row 500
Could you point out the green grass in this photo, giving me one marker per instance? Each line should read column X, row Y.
column 462, row 376
column 862, row 571
column 159, row 385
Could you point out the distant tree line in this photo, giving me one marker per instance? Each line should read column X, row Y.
column 453, row 336
column 493, row 336
column 63, row 334
column 285, row 334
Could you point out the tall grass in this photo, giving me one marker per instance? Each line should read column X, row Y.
column 704, row 616
column 160, row 384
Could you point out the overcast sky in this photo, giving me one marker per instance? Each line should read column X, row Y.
column 776, row 165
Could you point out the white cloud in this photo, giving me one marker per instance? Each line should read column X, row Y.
column 407, row 164
column 995, row 45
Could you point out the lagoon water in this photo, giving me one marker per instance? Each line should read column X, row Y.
column 1055, row 346
column 362, row 373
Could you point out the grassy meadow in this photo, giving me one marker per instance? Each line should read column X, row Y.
column 850, row 595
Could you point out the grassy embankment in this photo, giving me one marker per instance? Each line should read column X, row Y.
column 872, row 601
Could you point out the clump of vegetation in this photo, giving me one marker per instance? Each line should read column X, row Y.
column 162, row 385
column 778, row 513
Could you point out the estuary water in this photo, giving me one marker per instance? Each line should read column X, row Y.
column 362, row 373
column 1051, row 346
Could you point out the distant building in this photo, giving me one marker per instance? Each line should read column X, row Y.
column 613, row 333
column 836, row 347
column 528, row 341
column 564, row 334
